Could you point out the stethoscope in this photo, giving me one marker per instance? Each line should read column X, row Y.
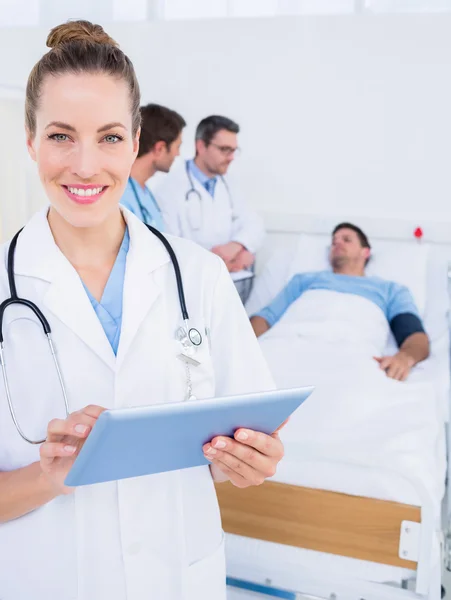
column 193, row 192
column 188, row 337
column 146, row 217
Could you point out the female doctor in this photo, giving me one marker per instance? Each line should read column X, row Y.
column 106, row 285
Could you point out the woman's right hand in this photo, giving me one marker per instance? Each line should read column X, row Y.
column 65, row 439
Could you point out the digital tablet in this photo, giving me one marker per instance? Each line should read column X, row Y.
column 130, row 442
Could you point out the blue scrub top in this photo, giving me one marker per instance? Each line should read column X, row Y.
column 142, row 203
column 109, row 309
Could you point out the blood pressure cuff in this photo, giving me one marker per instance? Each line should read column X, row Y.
column 405, row 325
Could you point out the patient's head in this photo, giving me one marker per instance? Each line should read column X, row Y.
column 350, row 250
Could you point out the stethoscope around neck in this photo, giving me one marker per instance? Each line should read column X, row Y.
column 189, row 337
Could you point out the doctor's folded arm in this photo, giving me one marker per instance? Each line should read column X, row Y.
column 199, row 203
column 90, row 319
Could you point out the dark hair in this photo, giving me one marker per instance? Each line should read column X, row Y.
column 364, row 242
column 209, row 127
column 158, row 124
column 80, row 47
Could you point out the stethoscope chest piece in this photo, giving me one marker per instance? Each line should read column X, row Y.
column 195, row 337
column 190, row 337
column 189, row 340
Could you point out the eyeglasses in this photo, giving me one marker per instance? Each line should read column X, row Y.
column 226, row 150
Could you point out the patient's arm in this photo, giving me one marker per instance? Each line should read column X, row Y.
column 413, row 350
column 409, row 333
column 259, row 325
column 271, row 314
column 417, row 347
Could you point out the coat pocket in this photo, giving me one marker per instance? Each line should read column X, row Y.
column 206, row 578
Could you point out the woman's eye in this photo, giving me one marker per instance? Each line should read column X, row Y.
column 112, row 138
column 59, row 137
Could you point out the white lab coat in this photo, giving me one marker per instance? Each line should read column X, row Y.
column 222, row 219
column 154, row 537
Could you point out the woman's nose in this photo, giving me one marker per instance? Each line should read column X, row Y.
column 86, row 161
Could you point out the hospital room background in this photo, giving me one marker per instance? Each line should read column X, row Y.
column 345, row 115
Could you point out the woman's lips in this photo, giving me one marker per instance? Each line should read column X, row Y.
column 86, row 194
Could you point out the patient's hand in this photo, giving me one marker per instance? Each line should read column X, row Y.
column 245, row 462
column 398, row 366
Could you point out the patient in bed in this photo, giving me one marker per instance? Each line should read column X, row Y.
column 392, row 305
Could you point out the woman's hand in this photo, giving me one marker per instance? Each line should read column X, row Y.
column 65, row 439
column 247, row 459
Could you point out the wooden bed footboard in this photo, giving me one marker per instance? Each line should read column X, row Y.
column 330, row 522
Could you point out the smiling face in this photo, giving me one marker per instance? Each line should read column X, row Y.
column 84, row 145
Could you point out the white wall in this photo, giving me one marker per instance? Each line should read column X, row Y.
column 344, row 116
column 21, row 192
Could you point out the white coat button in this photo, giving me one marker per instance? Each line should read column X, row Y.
column 134, row 548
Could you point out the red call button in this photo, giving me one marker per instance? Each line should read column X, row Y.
column 418, row 233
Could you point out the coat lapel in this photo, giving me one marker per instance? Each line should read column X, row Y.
column 141, row 288
column 68, row 301
column 38, row 256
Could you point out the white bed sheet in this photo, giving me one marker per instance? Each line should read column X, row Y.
column 358, row 416
column 436, row 370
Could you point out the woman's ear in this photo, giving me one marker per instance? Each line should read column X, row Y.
column 136, row 142
column 30, row 144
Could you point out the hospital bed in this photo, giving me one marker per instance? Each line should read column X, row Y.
column 351, row 521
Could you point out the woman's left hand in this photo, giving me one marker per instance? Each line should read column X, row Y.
column 247, row 459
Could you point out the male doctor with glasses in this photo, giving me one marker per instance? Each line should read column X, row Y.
column 197, row 202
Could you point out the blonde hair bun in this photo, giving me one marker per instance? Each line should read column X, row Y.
column 78, row 31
